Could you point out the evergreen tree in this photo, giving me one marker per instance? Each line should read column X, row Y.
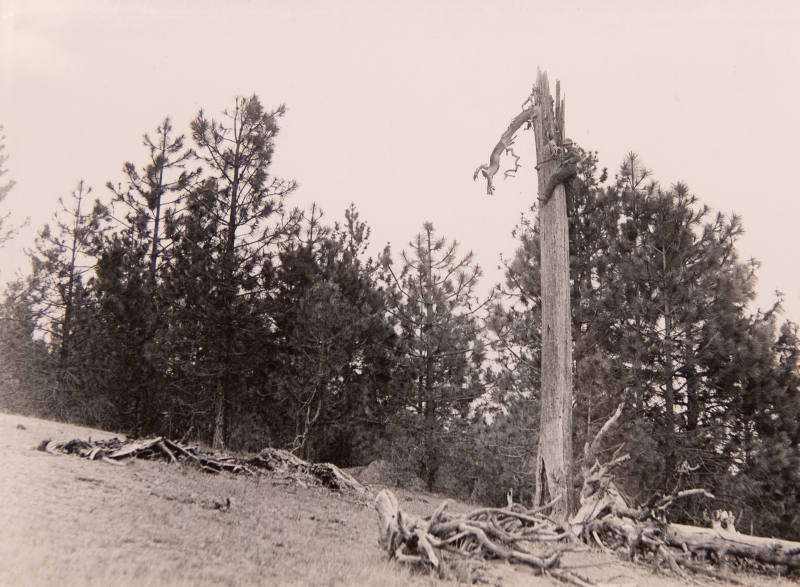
column 131, row 302
column 333, row 343
column 127, row 317
column 226, row 243
column 433, row 300
column 764, row 476
column 20, row 359
column 145, row 195
column 27, row 380
column 688, row 293
column 61, row 298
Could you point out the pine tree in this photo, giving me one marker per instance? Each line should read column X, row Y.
column 330, row 339
column 130, row 300
column 226, row 244
column 60, row 290
column 688, row 293
column 144, row 196
column 27, row 380
column 128, row 316
column 434, row 302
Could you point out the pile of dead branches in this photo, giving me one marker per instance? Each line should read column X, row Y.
column 270, row 460
column 604, row 521
column 512, row 534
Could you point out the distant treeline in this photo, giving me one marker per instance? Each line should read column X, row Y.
column 195, row 301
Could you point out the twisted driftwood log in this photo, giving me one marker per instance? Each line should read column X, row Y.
column 725, row 542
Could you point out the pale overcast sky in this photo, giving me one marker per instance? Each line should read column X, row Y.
column 392, row 106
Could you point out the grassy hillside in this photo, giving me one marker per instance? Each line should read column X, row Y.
column 72, row 522
column 69, row 521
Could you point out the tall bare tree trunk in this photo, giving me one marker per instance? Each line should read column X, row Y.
column 554, row 459
column 555, row 165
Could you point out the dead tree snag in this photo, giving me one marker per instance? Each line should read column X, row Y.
column 556, row 162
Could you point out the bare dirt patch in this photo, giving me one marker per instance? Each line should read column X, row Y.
column 69, row 521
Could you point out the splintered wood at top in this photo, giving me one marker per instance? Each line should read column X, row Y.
column 557, row 119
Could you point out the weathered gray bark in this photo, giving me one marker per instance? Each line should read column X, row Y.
column 722, row 542
column 554, row 459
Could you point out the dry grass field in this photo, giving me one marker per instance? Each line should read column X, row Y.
column 68, row 521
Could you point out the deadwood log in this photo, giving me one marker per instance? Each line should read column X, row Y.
column 269, row 459
column 645, row 529
column 176, row 447
column 404, row 537
column 135, row 447
column 333, row 477
column 510, row 534
column 163, row 446
column 727, row 542
column 105, row 459
column 484, row 533
column 599, row 494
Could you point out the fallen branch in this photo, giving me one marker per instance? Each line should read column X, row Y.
column 646, row 530
column 269, row 460
column 167, row 452
column 484, row 533
column 722, row 542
